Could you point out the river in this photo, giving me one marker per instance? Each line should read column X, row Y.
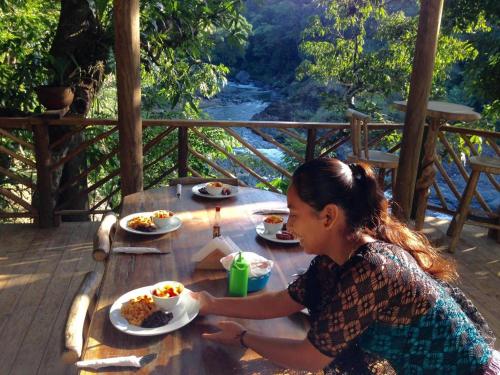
column 239, row 102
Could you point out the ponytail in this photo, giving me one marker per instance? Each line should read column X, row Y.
column 383, row 226
column 354, row 187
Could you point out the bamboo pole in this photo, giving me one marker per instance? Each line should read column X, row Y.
column 128, row 80
column 420, row 86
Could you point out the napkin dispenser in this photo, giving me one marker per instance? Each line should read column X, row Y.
column 208, row 257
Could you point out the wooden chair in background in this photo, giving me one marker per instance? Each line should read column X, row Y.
column 381, row 160
column 199, row 180
column 478, row 164
column 83, row 304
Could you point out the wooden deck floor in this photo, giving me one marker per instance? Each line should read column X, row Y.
column 40, row 270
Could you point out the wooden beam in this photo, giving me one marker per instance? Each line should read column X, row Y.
column 128, row 80
column 420, row 86
column 45, row 200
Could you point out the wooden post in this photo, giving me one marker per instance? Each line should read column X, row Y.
column 128, row 80
column 311, row 142
column 420, row 86
column 182, row 158
column 45, row 199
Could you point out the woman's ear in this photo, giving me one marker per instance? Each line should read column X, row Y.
column 330, row 215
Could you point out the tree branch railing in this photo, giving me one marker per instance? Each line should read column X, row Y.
column 175, row 148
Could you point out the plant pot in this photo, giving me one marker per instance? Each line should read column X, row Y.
column 55, row 97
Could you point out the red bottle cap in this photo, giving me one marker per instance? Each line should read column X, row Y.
column 217, row 208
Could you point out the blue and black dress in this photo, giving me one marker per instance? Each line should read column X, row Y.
column 380, row 310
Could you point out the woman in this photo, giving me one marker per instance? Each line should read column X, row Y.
column 376, row 290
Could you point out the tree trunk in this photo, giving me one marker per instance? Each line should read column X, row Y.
column 79, row 36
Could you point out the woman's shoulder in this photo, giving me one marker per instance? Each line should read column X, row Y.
column 380, row 256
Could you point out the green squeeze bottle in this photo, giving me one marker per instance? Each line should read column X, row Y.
column 238, row 277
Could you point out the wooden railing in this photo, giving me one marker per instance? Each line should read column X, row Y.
column 188, row 147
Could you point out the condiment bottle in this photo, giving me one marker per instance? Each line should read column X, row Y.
column 238, row 277
column 216, row 227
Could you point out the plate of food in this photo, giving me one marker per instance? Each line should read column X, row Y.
column 137, row 314
column 147, row 223
column 281, row 236
column 215, row 190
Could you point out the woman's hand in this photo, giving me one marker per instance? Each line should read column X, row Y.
column 229, row 334
column 206, row 301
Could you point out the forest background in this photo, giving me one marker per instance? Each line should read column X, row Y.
column 322, row 56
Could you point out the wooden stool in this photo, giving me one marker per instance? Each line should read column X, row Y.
column 478, row 164
column 361, row 154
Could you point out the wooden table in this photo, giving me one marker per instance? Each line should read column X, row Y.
column 438, row 114
column 184, row 351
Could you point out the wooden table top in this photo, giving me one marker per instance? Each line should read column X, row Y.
column 184, row 351
column 445, row 111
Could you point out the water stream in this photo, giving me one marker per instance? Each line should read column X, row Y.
column 240, row 102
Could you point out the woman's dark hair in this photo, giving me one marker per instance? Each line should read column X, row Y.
column 354, row 188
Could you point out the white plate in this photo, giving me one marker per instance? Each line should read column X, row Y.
column 271, row 237
column 177, row 222
column 233, row 189
column 183, row 313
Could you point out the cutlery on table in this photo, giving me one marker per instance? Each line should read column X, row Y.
column 138, row 250
column 129, row 361
column 270, row 211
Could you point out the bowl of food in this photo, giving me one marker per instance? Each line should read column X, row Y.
column 166, row 294
column 214, row 188
column 162, row 218
column 273, row 224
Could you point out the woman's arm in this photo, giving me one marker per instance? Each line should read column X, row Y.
column 296, row 354
column 276, row 304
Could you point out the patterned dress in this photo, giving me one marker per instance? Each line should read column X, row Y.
column 380, row 313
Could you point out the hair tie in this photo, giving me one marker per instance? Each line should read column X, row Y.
column 355, row 170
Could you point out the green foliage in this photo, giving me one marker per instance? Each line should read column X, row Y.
column 272, row 53
column 368, row 49
column 26, row 29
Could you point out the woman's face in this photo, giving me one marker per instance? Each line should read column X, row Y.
column 306, row 224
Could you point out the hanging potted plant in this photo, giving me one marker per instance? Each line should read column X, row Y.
column 59, row 92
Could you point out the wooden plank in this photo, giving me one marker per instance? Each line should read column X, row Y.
column 21, row 297
column 234, row 159
column 462, row 170
column 51, row 361
column 81, row 148
column 46, row 199
column 270, row 139
column 18, row 200
column 90, row 169
column 214, row 165
column 492, row 180
column 16, row 139
column 182, row 155
column 128, row 82
column 20, row 179
column 66, row 137
column 16, row 156
column 259, row 154
column 44, row 316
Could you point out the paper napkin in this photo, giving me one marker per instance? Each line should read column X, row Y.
column 129, row 361
column 208, row 257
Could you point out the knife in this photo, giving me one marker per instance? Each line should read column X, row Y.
column 129, row 361
column 271, row 211
column 138, row 250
